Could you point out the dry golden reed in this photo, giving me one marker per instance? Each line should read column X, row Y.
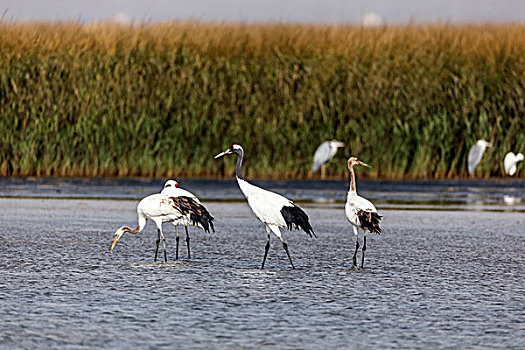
column 162, row 99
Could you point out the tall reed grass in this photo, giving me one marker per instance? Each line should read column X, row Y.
column 162, row 99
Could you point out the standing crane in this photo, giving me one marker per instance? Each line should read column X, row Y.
column 270, row 208
column 360, row 212
column 161, row 208
column 475, row 154
column 171, row 188
column 511, row 163
column 324, row 153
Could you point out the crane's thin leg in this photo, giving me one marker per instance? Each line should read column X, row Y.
column 277, row 232
column 188, row 241
column 285, row 246
column 164, row 246
column 266, row 247
column 354, row 259
column 322, row 172
column 177, row 240
column 158, row 241
column 363, row 250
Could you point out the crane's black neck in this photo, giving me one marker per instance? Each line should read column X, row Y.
column 238, row 171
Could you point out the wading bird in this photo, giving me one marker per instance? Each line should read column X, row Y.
column 161, row 208
column 324, row 153
column 511, row 162
column 475, row 154
column 360, row 212
column 271, row 208
column 171, row 188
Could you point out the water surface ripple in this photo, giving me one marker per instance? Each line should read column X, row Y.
column 445, row 279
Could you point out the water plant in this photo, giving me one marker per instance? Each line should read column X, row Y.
column 162, row 99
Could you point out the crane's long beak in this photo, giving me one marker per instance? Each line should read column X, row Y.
column 113, row 245
column 360, row 162
column 220, row 155
column 340, row 144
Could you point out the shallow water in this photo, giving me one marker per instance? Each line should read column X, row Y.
column 496, row 194
column 434, row 279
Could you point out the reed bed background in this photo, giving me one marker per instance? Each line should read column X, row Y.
column 162, row 99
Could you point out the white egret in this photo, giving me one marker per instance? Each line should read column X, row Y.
column 511, row 162
column 161, row 208
column 475, row 154
column 270, row 208
column 360, row 212
column 172, row 189
column 324, row 153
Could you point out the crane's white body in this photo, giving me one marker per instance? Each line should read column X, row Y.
column 173, row 191
column 324, row 153
column 475, row 154
column 266, row 205
column 158, row 208
column 354, row 203
column 511, row 162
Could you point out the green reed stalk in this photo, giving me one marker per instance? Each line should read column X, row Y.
column 161, row 100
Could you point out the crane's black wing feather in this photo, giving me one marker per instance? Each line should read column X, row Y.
column 197, row 212
column 295, row 217
column 370, row 220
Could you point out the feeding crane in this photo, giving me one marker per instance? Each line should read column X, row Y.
column 360, row 212
column 270, row 208
column 161, row 208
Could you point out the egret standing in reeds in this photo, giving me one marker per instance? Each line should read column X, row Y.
column 511, row 162
column 360, row 212
column 171, row 188
column 475, row 154
column 324, row 153
column 161, row 208
column 270, row 208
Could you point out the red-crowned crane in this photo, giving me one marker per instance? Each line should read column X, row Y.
column 172, row 189
column 360, row 212
column 271, row 208
column 161, row 208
